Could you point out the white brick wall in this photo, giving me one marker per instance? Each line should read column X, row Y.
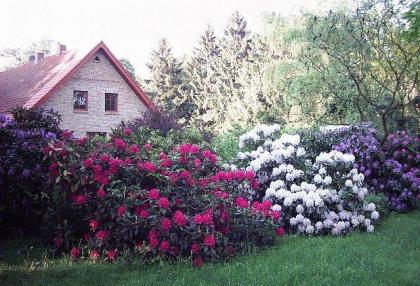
column 96, row 79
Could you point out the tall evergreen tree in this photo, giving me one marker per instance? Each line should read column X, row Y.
column 166, row 85
column 235, row 48
column 128, row 67
column 203, row 78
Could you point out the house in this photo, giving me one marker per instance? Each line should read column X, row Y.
column 92, row 91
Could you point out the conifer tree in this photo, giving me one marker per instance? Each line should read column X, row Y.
column 235, row 47
column 167, row 85
column 202, row 78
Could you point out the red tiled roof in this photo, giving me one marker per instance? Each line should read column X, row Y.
column 31, row 84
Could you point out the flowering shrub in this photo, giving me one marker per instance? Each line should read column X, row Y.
column 402, row 153
column 23, row 198
column 317, row 140
column 161, row 130
column 323, row 196
column 119, row 198
column 155, row 119
column 391, row 169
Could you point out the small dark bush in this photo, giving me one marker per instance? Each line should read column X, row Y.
column 156, row 119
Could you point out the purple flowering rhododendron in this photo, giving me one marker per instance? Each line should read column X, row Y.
column 392, row 169
column 22, row 172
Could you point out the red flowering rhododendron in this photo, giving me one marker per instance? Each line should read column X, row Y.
column 102, row 234
column 94, row 224
column 170, row 204
column 111, row 255
column 149, row 166
column 54, row 169
column 280, row 231
column 134, row 149
column 120, row 144
column 205, row 218
column 94, row 255
column 166, row 224
column 275, row 215
column 154, row 194
column 142, row 213
column 79, row 199
column 121, row 210
column 74, row 253
column 195, row 248
column 58, row 242
column 197, row 261
column 210, row 241
column 128, row 131
column 180, row 219
column 164, row 246
column 163, row 202
column 101, row 193
column 241, row 202
column 104, row 157
column 147, row 147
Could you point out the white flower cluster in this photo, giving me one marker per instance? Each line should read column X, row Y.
column 314, row 198
column 257, row 133
column 333, row 157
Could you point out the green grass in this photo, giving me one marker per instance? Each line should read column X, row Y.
column 390, row 256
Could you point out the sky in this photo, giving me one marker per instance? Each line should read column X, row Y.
column 130, row 28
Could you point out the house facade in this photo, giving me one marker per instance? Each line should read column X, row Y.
column 92, row 92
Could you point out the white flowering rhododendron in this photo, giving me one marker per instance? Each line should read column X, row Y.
column 324, row 196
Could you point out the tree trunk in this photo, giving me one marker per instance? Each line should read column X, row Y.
column 384, row 127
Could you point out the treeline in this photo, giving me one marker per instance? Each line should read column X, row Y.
column 338, row 67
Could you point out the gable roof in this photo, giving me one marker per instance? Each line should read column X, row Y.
column 30, row 85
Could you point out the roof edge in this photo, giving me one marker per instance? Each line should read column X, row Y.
column 115, row 63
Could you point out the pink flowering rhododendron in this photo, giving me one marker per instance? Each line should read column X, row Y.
column 164, row 246
column 121, row 210
column 195, row 248
column 120, row 144
column 180, row 219
column 128, row 131
column 134, row 149
column 197, row 261
column 280, row 231
column 74, row 253
column 241, row 202
column 172, row 204
column 102, row 234
column 163, row 202
column 147, row 147
column 210, row 241
column 79, row 199
column 94, row 255
column 154, row 194
column 111, row 254
column 166, row 224
column 94, row 224
column 101, row 193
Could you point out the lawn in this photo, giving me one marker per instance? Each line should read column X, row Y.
column 390, row 256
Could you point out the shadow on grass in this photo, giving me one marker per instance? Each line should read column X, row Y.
column 390, row 256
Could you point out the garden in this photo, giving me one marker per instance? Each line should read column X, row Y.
column 156, row 196
column 286, row 157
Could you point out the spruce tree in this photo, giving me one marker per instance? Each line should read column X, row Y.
column 167, row 84
column 202, row 78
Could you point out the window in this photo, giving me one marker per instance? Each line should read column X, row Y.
column 111, row 102
column 94, row 134
column 80, row 100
